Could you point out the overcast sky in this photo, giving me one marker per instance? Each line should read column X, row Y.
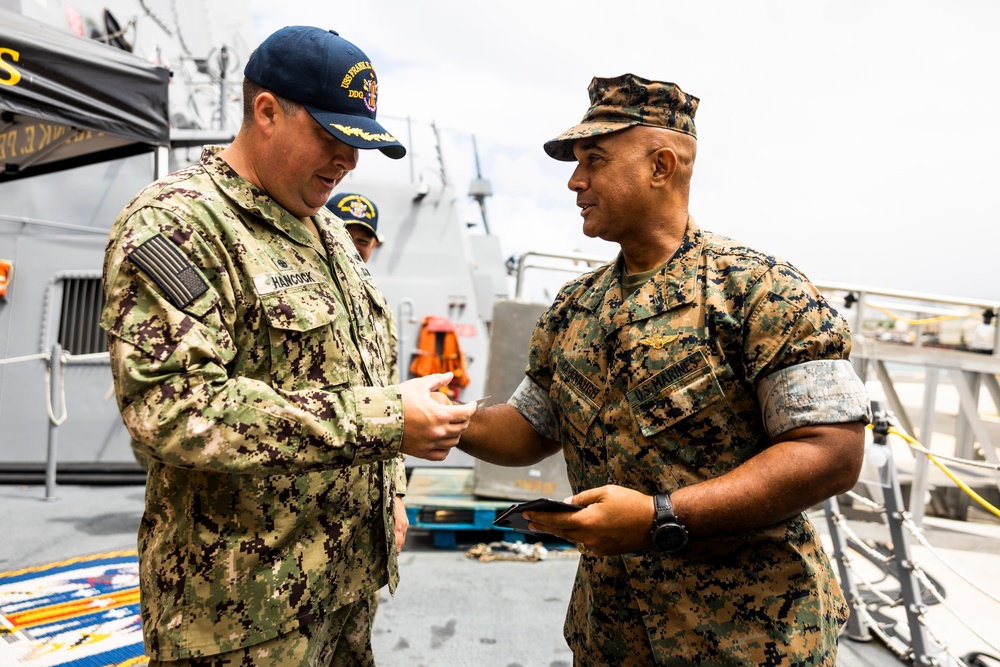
column 858, row 139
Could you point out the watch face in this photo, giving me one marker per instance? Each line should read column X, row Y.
column 670, row 537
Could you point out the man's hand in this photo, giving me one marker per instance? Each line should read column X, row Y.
column 400, row 522
column 431, row 427
column 614, row 520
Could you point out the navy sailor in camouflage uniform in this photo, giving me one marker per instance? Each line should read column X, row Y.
column 253, row 359
column 702, row 395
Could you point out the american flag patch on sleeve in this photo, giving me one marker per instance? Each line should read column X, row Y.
column 170, row 269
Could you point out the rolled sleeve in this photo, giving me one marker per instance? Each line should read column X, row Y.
column 534, row 404
column 816, row 392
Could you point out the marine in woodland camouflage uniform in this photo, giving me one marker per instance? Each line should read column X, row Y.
column 672, row 377
column 253, row 359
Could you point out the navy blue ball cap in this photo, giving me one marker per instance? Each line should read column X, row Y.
column 333, row 79
column 355, row 209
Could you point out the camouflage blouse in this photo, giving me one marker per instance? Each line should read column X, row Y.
column 660, row 391
column 254, row 368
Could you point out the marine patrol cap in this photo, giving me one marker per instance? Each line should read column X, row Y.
column 356, row 209
column 619, row 102
column 332, row 78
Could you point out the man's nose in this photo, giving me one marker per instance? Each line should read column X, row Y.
column 345, row 157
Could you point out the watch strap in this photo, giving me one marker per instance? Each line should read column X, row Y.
column 668, row 534
column 664, row 509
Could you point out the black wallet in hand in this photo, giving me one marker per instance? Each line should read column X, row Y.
column 513, row 518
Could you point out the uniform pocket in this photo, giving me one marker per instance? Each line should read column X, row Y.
column 689, row 419
column 677, row 392
column 304, row 327
column 579, row 399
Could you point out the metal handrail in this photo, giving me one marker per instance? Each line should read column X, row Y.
column 919, row 303
column 523, row 265
column 913, row 296
column 20, row 220
column 56, row 361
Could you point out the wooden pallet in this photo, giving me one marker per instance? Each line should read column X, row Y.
column 440, row 500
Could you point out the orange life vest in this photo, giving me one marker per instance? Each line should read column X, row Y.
column 438, row 351
column 5, row 270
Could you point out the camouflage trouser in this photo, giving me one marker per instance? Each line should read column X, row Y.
column 342, row 639
column 607, row 631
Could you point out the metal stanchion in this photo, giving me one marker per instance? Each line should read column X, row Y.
column 857, row 628
column 925, row 650
column 55, row 407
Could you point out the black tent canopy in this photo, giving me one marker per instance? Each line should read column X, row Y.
column 67, row 101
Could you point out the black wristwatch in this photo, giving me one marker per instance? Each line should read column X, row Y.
column 668, row 534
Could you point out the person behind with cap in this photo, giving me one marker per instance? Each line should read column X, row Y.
column 360, row 216
column 702, row 395
column 251, row 355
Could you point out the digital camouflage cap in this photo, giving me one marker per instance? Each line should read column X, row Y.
column 619, row 102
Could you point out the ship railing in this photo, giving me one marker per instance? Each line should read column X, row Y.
column 56, row 361
column 564, row 262
column 927, row 313
column 62, row 226
column 920, row 643
column 949, row 340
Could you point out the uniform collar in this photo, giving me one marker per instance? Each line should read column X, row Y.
column 252, row 199
column 674, row 286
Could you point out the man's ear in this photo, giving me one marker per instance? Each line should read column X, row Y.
column 267, row 112
column 664, row 165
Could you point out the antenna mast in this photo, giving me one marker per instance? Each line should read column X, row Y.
column 480, row 188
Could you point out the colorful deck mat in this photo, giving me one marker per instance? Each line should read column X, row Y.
column 82, row 612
